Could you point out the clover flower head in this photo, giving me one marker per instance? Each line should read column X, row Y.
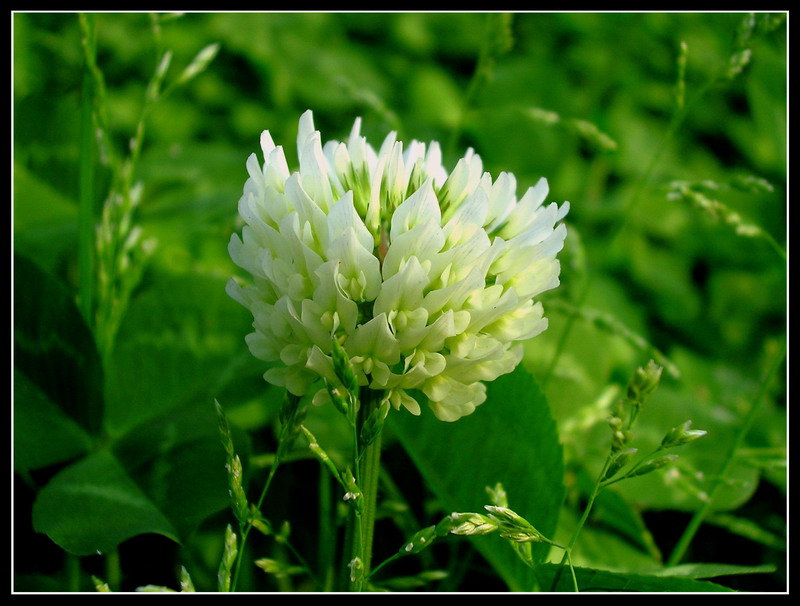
column 427, row 278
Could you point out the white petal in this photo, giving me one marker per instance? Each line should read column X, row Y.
column 342, row 216
column 374, row 339
column 421, row 206
column 403, row 291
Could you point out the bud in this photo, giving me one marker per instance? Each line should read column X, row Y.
column 283, row 534
column 228, row 558
column 644, row 382
column 620, row 461
column 233, row 465
column 356, row 567
column 279, row 569
column 291, row 420
column 343, row 367
column 260, row 523
column 321, row 455
column 619, row 439
column 513, row 526
column 466, row 524
column 154, row 589
column 681, row 434
column 497, row 495
column 353, row 492
column 289, row 408
column 268, row 565
column 199, row 63
column 656, row 463
column 419, row 541
column 224, row 430
column 338, row 398
column 374, row 423
column 236, row 490
column 187, row 586
column 737, row 62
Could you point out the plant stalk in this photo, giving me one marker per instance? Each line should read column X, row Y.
column 700, row 515
column 361, row 524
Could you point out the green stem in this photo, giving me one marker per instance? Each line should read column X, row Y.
column 699, row 516
column 352, row 542
column 568, row 549
column 631, row 471
column 361, row 525
column 326, row 536
column 73, row 573
column 86, row 201
column 245, row 531
column 386, row 562
column 370, row 473
column 113, row 570
column 774, row 244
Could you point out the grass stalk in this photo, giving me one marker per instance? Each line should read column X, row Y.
column 86, row 232
column 700, row 515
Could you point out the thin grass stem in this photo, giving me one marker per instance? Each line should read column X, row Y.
column 700, row 515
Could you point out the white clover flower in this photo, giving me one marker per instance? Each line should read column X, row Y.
column 427, row 279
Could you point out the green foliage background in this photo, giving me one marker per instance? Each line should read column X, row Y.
column 587, row 100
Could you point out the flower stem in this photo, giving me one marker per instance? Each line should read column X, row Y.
column 568, row 549
column 370, row 471
column 361, row 523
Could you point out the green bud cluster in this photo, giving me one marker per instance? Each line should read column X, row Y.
column 643, row 383
column 352, row 493
column 497, row 495
column 652, row 465
column 373, row 425
column 280, row 570
column 620, row 460
column 681, row 435
column 514, row 527
column 419, row 541
column 187, row 586
column 228, row 558
column 466, row 524
column 356, row 567
column 259, row 522
column 233, row 465
column 292, row 417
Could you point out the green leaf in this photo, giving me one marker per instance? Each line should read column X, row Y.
column 748, row 529
column 165, row 476
column 43, row 434
column 178, row 461
column 602, row 547
column 603, row 580
column 511, row 439
column 37, row 204
column 710, row 571
column 180, row 342
column 53, row 345
column 92, row 506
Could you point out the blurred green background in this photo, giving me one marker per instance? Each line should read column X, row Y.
column 588, row 100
